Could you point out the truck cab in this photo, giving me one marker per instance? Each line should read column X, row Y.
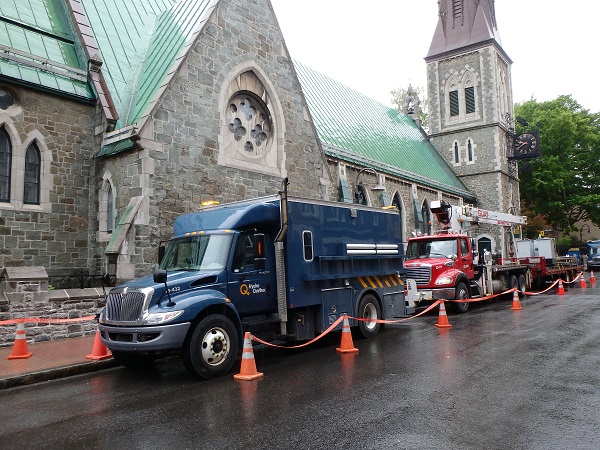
column 442, row 266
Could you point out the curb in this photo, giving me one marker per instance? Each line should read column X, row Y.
column 55, row 373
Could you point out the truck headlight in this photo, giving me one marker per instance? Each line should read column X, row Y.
column 161, row 317
column 443, row 280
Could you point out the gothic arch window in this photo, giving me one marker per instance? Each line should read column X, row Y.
column 25, row 178
column 31, row 185
column 502, row 94
column 456, row 153
column 469, row 99
column 452, row 99
column 397, row 203
column 110, row 210
column 425, row 218
column 469, row 85
column 470, row 155
column 462, row 97
column 107, row 212
column 250, row 136
column 5, row 165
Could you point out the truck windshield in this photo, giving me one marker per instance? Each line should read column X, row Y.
column 431, row 249
column 201, row 252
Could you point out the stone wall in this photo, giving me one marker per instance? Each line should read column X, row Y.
column 55, row 232
column 61, row 304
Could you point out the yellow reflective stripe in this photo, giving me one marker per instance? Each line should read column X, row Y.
column 371, row 283
column 362, row 282
column 378, row 281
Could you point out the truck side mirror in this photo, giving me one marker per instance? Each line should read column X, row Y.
column 160, row 276
column 161, row 253
column 260, row 260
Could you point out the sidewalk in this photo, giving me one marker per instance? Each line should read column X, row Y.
column 50, row 360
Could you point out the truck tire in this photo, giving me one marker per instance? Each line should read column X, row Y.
column 133, row 360
column 368, row 308
column 568, row 277
column 513, row 282
column 462, row 291
column 522, row 285
column 212, row 347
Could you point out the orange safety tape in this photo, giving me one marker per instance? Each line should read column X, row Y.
column 480, row 299
column 331, row 327
column 334, row 324
column 388, row 321
column 44, row 320
column 574, row 279
column 544, row 291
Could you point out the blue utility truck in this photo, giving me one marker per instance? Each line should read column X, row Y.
column 282, row 268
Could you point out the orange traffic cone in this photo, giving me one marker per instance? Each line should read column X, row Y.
column 582, row 282
column 592, row 279
column 346, row 345
column 516, row 304
column 99, row 351
column 561, row 289
column 443, row 317
column 248, row 367
column 20, row 350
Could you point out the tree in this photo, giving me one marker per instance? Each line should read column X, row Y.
column 563, row 185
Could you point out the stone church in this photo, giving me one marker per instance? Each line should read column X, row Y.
column 117, row 116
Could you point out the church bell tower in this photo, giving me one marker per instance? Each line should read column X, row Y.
column 470, row 101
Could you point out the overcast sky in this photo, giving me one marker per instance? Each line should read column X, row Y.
column 375, row 46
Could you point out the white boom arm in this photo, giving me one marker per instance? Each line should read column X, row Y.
column 453, row 217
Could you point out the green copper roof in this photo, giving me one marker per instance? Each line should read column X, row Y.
column 38, row 47
column 358, row 129
column 140, row 41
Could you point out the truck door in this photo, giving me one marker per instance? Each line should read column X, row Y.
column 251, row 290
column 465, row 258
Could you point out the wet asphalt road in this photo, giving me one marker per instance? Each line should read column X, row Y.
column 498, row 379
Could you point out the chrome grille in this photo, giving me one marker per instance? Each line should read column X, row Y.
column 422, row 274
column 125, row 306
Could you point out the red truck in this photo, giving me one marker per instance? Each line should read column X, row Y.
column 447, row 266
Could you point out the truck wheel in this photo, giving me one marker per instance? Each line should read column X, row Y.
column 461, row 292
column 514, row 282
column 368, row 308
column 522, row 285
column 133, row 360
column 568, row 277
column 212, row 347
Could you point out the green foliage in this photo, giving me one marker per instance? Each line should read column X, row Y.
column 398, row 97
column 563, row 185
column 568, row 241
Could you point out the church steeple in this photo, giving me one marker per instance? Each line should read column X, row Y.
column 464, row 23
column 469, row 94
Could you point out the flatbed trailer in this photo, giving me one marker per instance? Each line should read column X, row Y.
column 565, row 268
